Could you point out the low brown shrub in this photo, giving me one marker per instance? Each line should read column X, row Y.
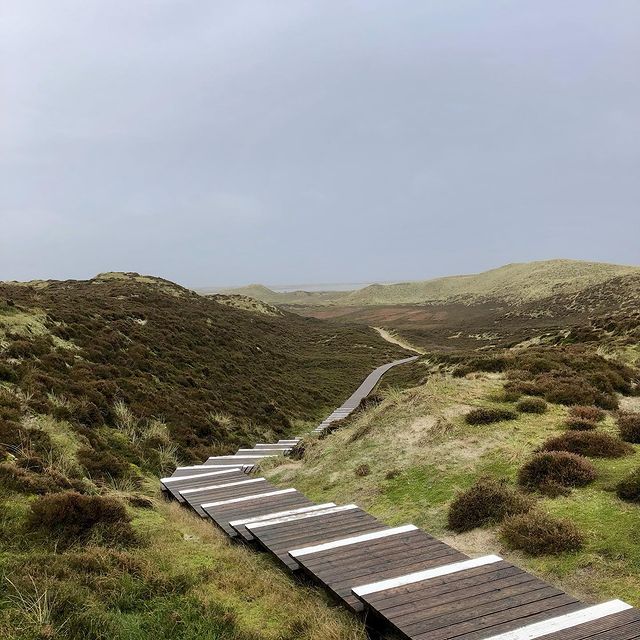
column 579, row 424
column 537, row 533
column 582, row 412
column 486, row 502
column 629, row 427
column 532, row 405
column 556, row 468
column 102, row 465
column 71, row 517
column 23, row 480
column 297, row 452
column 629, row 487
column 592, row 444
column 487, row 415
column 363, row 470
column 140, row 501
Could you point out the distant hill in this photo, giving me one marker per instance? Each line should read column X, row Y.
column 260, row 292
column 512, row 283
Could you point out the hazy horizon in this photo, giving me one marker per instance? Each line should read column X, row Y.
column 298, row 141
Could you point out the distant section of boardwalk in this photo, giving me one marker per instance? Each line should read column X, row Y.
column 400, row 577
column 352, row 402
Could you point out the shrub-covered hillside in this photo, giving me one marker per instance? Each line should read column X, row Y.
column 104, row 385
column 124, row 354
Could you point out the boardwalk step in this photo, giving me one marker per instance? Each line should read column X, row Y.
column 281, row 535
column 174, row 485
column 222, row 512
column 241, row 525
column 343, row 564
column 224, row 490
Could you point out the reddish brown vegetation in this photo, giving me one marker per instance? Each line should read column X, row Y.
column 556, row 468
column 590, row 443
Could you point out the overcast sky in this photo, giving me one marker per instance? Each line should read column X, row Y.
column 286, row 141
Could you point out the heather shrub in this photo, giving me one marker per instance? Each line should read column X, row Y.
column 102, row 465
column 488, row 501
column 363, row 470
column 8, row 373
column 537, row 533
column 25, row 480
column 629, row 487
column 298, row 450
column 487, row 415
column 592, row 444
column 531, row 405
column 72, row 517
column 592, row 414
column 556, row 468
column 370, row 401
column 579, row 424
column 629, row 427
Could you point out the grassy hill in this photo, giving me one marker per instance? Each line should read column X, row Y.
column 408, row 457
column 106, row 384
column 260, row 292
column 513, row 283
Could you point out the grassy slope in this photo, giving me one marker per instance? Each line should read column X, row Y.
column 515, row 283
column 421, row 453
column 185, row 582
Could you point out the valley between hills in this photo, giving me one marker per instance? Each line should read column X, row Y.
column 107, row 384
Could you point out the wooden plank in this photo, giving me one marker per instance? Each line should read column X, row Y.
column 471, row 600
column 195, row 470
column 347, row 563
column 619, row 625
column 240, row 525
column 244, row 459
column 224, row 512
column 174, row 485
column 280, row 537
column 509, row 609
column 566, row 622
column 198, row 496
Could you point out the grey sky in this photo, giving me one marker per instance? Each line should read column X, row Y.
column 215, row 142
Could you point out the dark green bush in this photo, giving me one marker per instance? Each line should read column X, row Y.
column 531, row 405
column 537, row 533
column 579, row 424
column 488, row 501
column 629, row 426
column 71, row 516
column 592, row 414
column 629, row 487
column 487, row 415
column 592, row 444
column 551, row 468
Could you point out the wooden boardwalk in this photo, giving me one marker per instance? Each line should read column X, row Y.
column 401, row 577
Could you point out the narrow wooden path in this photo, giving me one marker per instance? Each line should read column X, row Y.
column 401, row 577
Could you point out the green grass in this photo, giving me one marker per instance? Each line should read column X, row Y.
column 185, row 580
